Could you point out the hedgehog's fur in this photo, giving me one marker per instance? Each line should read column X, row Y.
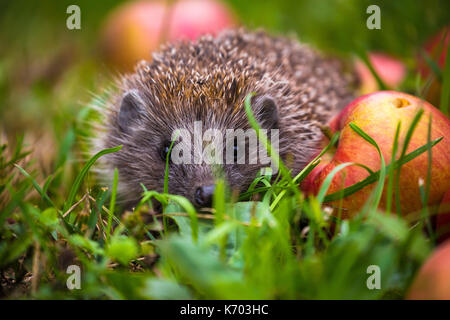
column 208, row 80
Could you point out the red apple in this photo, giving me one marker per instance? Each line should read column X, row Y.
column 436, row 48
column 443, row 219
column 391, row 70
column 433, row 280
column 378, row 115
column 135, row 29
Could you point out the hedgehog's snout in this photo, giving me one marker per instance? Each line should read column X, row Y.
column 203, row 195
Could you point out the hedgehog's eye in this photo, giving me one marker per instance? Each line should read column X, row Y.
column 235, row 149
column 164, row 152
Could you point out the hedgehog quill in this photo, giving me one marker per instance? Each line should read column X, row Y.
column 297, row 90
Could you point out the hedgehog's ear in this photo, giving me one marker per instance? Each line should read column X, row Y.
column 265, row 110
column 131, row 109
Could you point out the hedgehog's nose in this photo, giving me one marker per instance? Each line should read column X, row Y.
column 203, row 195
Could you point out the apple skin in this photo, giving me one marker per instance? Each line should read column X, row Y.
column 377, row 114
column 391, row 70
column 433, row 280
column 135, row 29
column 443, row 219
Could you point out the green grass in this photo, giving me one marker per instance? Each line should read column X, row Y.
column 284, row 246
column 248, row 249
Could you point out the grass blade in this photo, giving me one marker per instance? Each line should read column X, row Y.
column 112, row 203
column 363, row 56
column 379, row 189
column 302, row 174
column 326, row 183
column 391, row 169
column 76, row 185
column 264, row 140
column 166, row 171
column 374, row 177
column 190, row 210
column 432, row 64
column 408, row 137
column 35, row 185
column 426, row 191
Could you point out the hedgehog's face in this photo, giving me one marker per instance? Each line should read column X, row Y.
column 198, row 147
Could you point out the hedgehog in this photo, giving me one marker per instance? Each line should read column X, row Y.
column 296, row 90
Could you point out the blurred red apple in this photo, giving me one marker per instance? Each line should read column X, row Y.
column 443, row 219
column 135, row 29
column 378, row 115
column 391, row 70
column 433, row 280
column 436, row 48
